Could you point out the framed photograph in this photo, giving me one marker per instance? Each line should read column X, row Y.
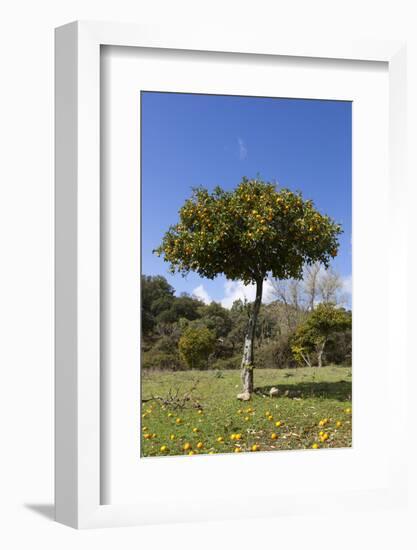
column 224, row 325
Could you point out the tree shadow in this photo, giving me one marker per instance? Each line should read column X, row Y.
column 341, row 390
column 45, row 510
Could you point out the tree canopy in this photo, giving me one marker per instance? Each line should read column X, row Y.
column 312, row 335
column 249, row 232
column 157, row 296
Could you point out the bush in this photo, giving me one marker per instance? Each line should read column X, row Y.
column 275, row 353
column 222, row 350
column 161, row 360
column 339, row 349
column 196, row 345
column 166, row 344
column 227, row 363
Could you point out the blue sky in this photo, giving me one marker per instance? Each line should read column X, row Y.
column 190, row 140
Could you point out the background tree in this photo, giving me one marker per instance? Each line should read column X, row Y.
column 183, row 307
column 239, row 314
column 195, row 346
column 290, row 293
column 216, row 318
column 245, row 234
column 300, row 296
column 311, row 284
column 330, row 286
column 313, row 334
column 157, row 296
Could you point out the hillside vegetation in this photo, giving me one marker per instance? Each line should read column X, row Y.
column 181, row 332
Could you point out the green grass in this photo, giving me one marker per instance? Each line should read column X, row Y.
column 312, row 395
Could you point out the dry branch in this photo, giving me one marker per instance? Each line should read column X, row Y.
column 174, row 400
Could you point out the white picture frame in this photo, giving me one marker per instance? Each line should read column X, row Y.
column 78, row 321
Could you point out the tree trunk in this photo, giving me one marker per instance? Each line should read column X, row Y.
column 306, row 359
column 320, row 351
column 248, row 355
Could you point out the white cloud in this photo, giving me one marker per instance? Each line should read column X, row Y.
column 347, row 291
column 201, row 293
column 235, row 290
column 243, row 151
column 347, row 284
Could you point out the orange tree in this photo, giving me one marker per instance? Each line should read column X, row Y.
column 247, row 234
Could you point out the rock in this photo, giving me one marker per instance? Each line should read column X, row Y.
column 245, row 396
column 273, row 392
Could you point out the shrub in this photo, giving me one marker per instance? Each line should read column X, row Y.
column 227, row 363
column 161, row 360
column 339, row 349
column 275, row 353
column 196, row 345
column 166, row 344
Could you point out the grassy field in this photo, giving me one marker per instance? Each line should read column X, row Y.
column 312, row 411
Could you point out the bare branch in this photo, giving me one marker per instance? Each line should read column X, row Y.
column 174, row 400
